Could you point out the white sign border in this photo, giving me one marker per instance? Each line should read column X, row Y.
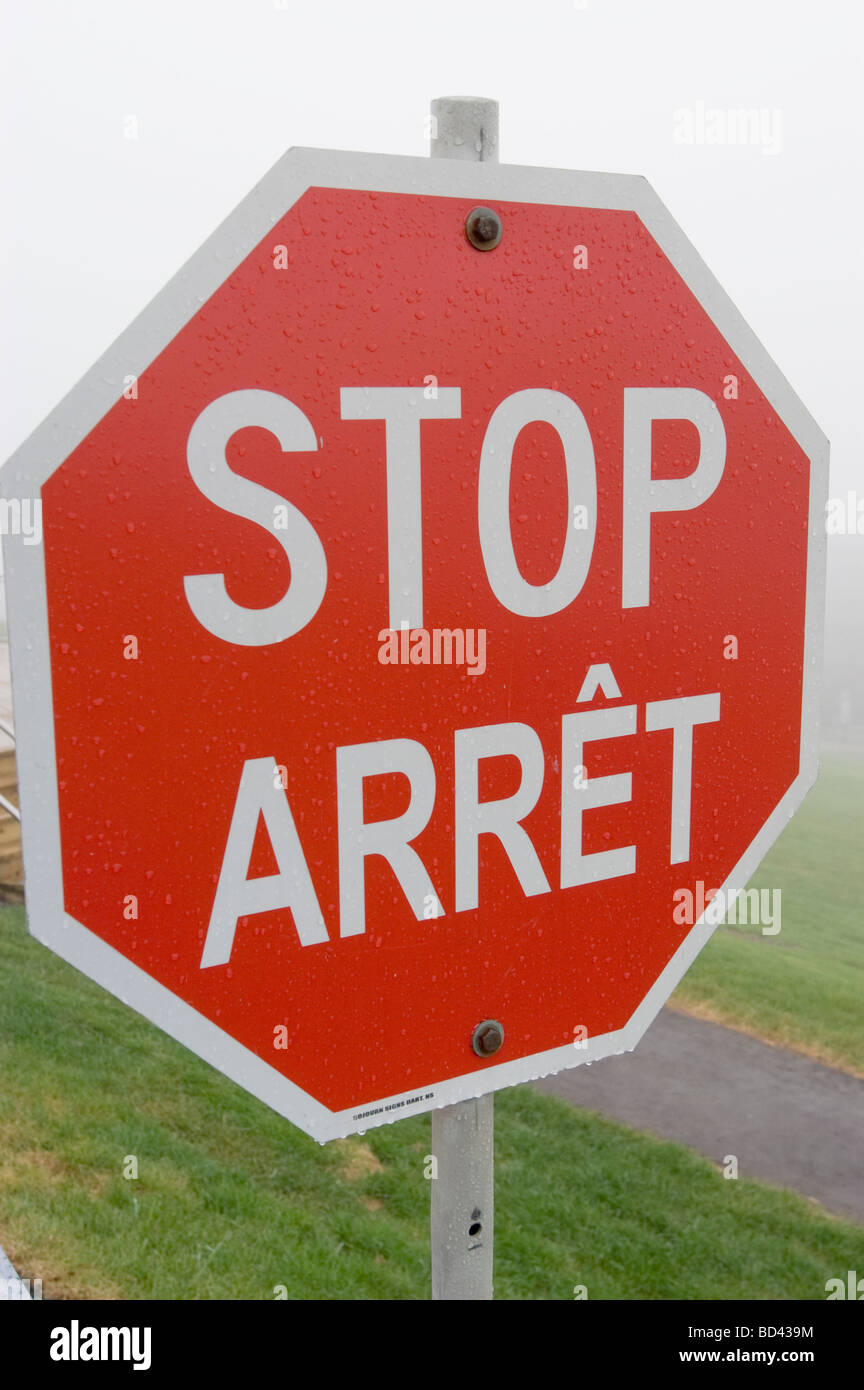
column 86, row 404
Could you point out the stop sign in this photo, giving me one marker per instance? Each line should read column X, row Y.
column 423, row 629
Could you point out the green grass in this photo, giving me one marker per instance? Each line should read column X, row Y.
column 231, row 1201
column 804, row 986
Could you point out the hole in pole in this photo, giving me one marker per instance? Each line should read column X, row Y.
column 475, row 1228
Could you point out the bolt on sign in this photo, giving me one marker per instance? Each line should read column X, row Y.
column 430, row 595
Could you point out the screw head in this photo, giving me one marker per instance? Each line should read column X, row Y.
column 483, row 229
column 487, row 1037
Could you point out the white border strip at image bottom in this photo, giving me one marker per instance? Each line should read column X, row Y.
column 12, row 1287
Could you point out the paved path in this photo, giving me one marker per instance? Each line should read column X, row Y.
column 790, row 1121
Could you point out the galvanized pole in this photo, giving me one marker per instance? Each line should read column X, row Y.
column 464, row 128
column 462, row 1200
column 462, row 1135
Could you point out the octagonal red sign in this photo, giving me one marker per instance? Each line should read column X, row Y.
column 418, row 637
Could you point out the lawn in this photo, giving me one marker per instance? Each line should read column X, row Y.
column 231, row 1202
column 805, row 986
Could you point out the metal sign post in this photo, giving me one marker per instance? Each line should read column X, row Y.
column 461, row 1228
column 463, row 1184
